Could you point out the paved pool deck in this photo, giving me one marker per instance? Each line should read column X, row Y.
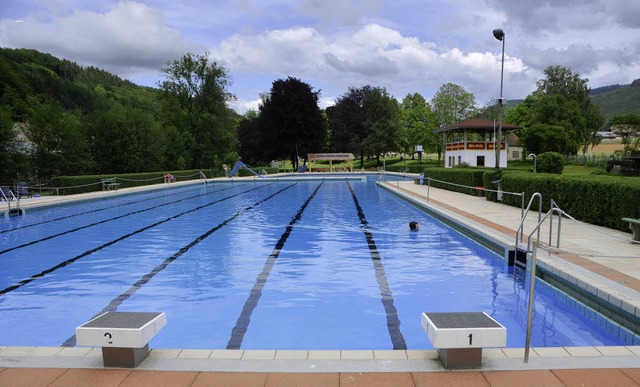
column 597, row 259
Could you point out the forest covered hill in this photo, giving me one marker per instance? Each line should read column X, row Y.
column 617, row 100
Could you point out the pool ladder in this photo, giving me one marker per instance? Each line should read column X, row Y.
column 534, row 253
column 522, row 250
column 11, row 197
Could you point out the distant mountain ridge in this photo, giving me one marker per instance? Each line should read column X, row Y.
column 617, row 100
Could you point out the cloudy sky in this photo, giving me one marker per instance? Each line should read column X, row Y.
column 406, row 46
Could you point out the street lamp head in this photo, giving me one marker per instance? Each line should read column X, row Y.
column 498, row 34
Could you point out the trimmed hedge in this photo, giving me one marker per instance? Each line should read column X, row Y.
column 90, row 183
column 463, row 176
column 599, row 200
column 595, row 199
column 403, row 168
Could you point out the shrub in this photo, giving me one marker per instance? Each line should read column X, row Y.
column 403, row 168
column 470, row 177
column 550, row 162
column 600, row 200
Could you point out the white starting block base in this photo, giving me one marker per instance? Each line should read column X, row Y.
column 123, row 336
column 460, row 337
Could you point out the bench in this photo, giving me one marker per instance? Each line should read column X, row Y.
column 634, row 226
column 459, row 337
column 123, row 336
column 109, row 184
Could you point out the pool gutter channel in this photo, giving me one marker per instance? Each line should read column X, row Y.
column 617, row 302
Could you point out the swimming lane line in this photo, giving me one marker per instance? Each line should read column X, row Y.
column 89, row 252
column 393, row 322
column 99, row 222
column 239, row 330
column 96, row 210
column 115, row 303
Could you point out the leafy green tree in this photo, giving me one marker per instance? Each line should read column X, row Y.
column 451, row 104
column 13, row 163
column 541, row 138
column 418, row 124
column 61, row 139
column 382, row 122
column 291, row 122
column 346, row 122
column 627, row 127
column 195, row 100
column 126, row 140
column 562, row 99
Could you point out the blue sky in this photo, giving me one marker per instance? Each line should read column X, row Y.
column 406, row 46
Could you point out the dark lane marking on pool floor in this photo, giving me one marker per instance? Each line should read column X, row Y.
column 393, row 322
column 138, row 231
column 20, row 228
column 113, row 305
column 99, row 222
column 239, row 330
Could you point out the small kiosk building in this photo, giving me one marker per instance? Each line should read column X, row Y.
column 473, row 142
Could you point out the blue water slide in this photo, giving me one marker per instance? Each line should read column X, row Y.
column 238, row 165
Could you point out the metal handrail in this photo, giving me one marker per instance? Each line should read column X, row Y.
column 532, row 279
column 520, row 229
column 11, row 197
column 561, row 213
column 532, row 268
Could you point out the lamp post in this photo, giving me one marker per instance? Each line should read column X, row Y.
column 499, row 34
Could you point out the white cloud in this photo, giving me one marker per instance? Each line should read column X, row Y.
column 128, row 36
column 336, row 44
column 371, row 55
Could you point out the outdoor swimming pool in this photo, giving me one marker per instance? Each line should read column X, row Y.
column 264, row 265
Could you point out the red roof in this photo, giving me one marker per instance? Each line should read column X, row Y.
column 479, row 124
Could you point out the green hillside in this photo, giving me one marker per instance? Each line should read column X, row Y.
column 617, row 100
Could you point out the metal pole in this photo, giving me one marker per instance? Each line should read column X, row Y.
column 530, row 311
column 560, row 213
column 500, row 109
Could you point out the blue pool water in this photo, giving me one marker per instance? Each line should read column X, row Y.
column 263, row 265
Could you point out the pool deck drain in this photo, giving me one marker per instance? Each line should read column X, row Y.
column 604, row 252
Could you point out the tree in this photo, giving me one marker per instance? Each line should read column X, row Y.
column 195, row 102
column 290, row 121
column 418, row 124
column 382, row 122
column 8, row 154
column 451, row 104
column 62, row 147
column 541, row 138
column 562, row 99
column 627, row 127
column 345, row 119
column 126, row 140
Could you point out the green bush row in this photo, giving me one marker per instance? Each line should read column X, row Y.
column 600, row 200
column 404, row 168
column 472, row 177
column 90, row 183
column 594, row 199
